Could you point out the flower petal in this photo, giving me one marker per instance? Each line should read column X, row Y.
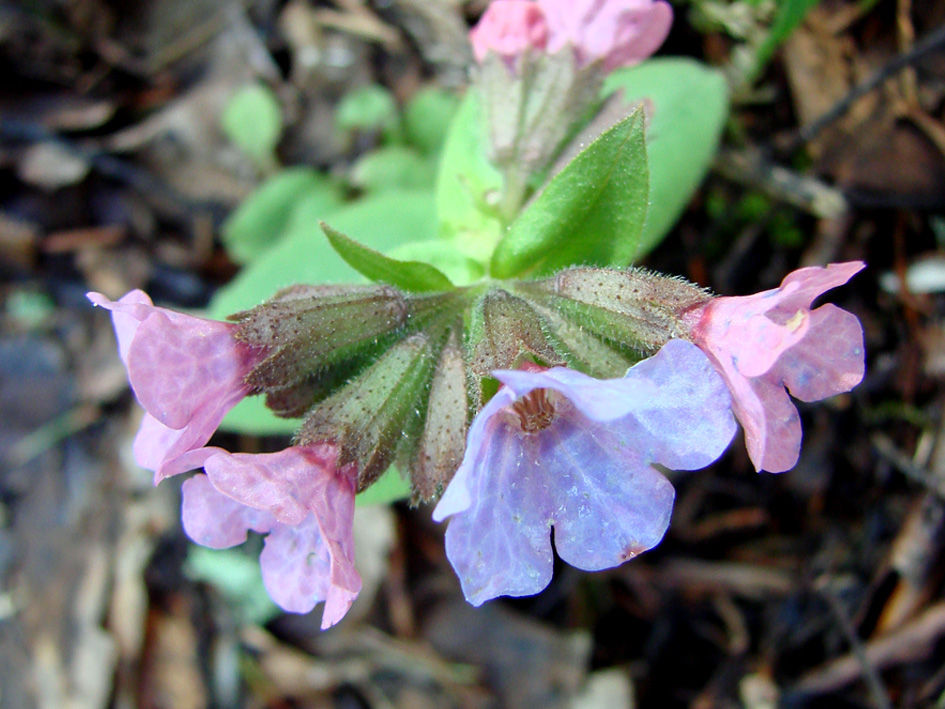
column 640, row 33
column 303, row 490
column 266, row 481
column 801, row 287
column 179, row 365
column 169, row 451
column 609, row 504
column 593, row 397
column 619, row 32
column 509, row 28
column 127, row 314
column 295, row 566
column 332, row 503
column 684, row 421
column 830, row 359
column 215, row 520
column 456, row 497
column 771, row 422
column 501, row 545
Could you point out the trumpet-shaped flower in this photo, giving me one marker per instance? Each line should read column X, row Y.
column 558, row 449
column 765, row 342
column 186, row 372
column 305, row 506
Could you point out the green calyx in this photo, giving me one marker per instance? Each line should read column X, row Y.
column 395, row 378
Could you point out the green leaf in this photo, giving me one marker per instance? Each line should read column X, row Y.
column 382, row 222
column 262, row 217
column 466, row 183
column 427, row 118
column 393, row 167
column 390, row 486
column 689, row 104
column 366, row 108
column 253, row 120
column 412, row 276
column 591, row 212
column 251, row 417
column 445, row 256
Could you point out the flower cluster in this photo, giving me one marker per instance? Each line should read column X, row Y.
column 553, row 450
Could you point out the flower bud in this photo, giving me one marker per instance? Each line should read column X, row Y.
column 581, row 348
column 501, row 331
column 443, row 440
column 367, row 417
column 310, row 327
column 529, row 112
column 633, row 307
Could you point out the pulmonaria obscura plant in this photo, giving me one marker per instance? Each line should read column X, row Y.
column 542, row 389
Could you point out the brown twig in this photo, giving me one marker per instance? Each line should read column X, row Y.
column 933, row 42
column 911, row 642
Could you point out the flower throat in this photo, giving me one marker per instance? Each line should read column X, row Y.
column 536, row 411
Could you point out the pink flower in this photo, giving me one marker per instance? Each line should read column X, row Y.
column 615, row 32
column 560, row 449
column 509, row 28
column 618, row 32
column 765, row 342
column 302, row 502
column 186, row 372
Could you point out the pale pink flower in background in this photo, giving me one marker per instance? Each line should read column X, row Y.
column 765, row 342
column 618, row 32
column 509, row 28
column 186, row 372
column 305, row 506
column 614, row 32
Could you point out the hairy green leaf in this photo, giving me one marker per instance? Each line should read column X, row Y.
column 591, row 212
column 413, row 276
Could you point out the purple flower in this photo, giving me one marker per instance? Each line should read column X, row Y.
column 615, row 32
column 765, row 342
column 560, row 449
column 186, row 372
column 305, row 506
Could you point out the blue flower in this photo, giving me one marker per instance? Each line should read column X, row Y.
column 558, row 449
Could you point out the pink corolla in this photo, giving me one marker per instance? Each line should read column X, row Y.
column 558, row 449
column 509, row 28
column 186, row 372
column 765, row 342
column 305, row 506
column 618, row 32
column 615, row 32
